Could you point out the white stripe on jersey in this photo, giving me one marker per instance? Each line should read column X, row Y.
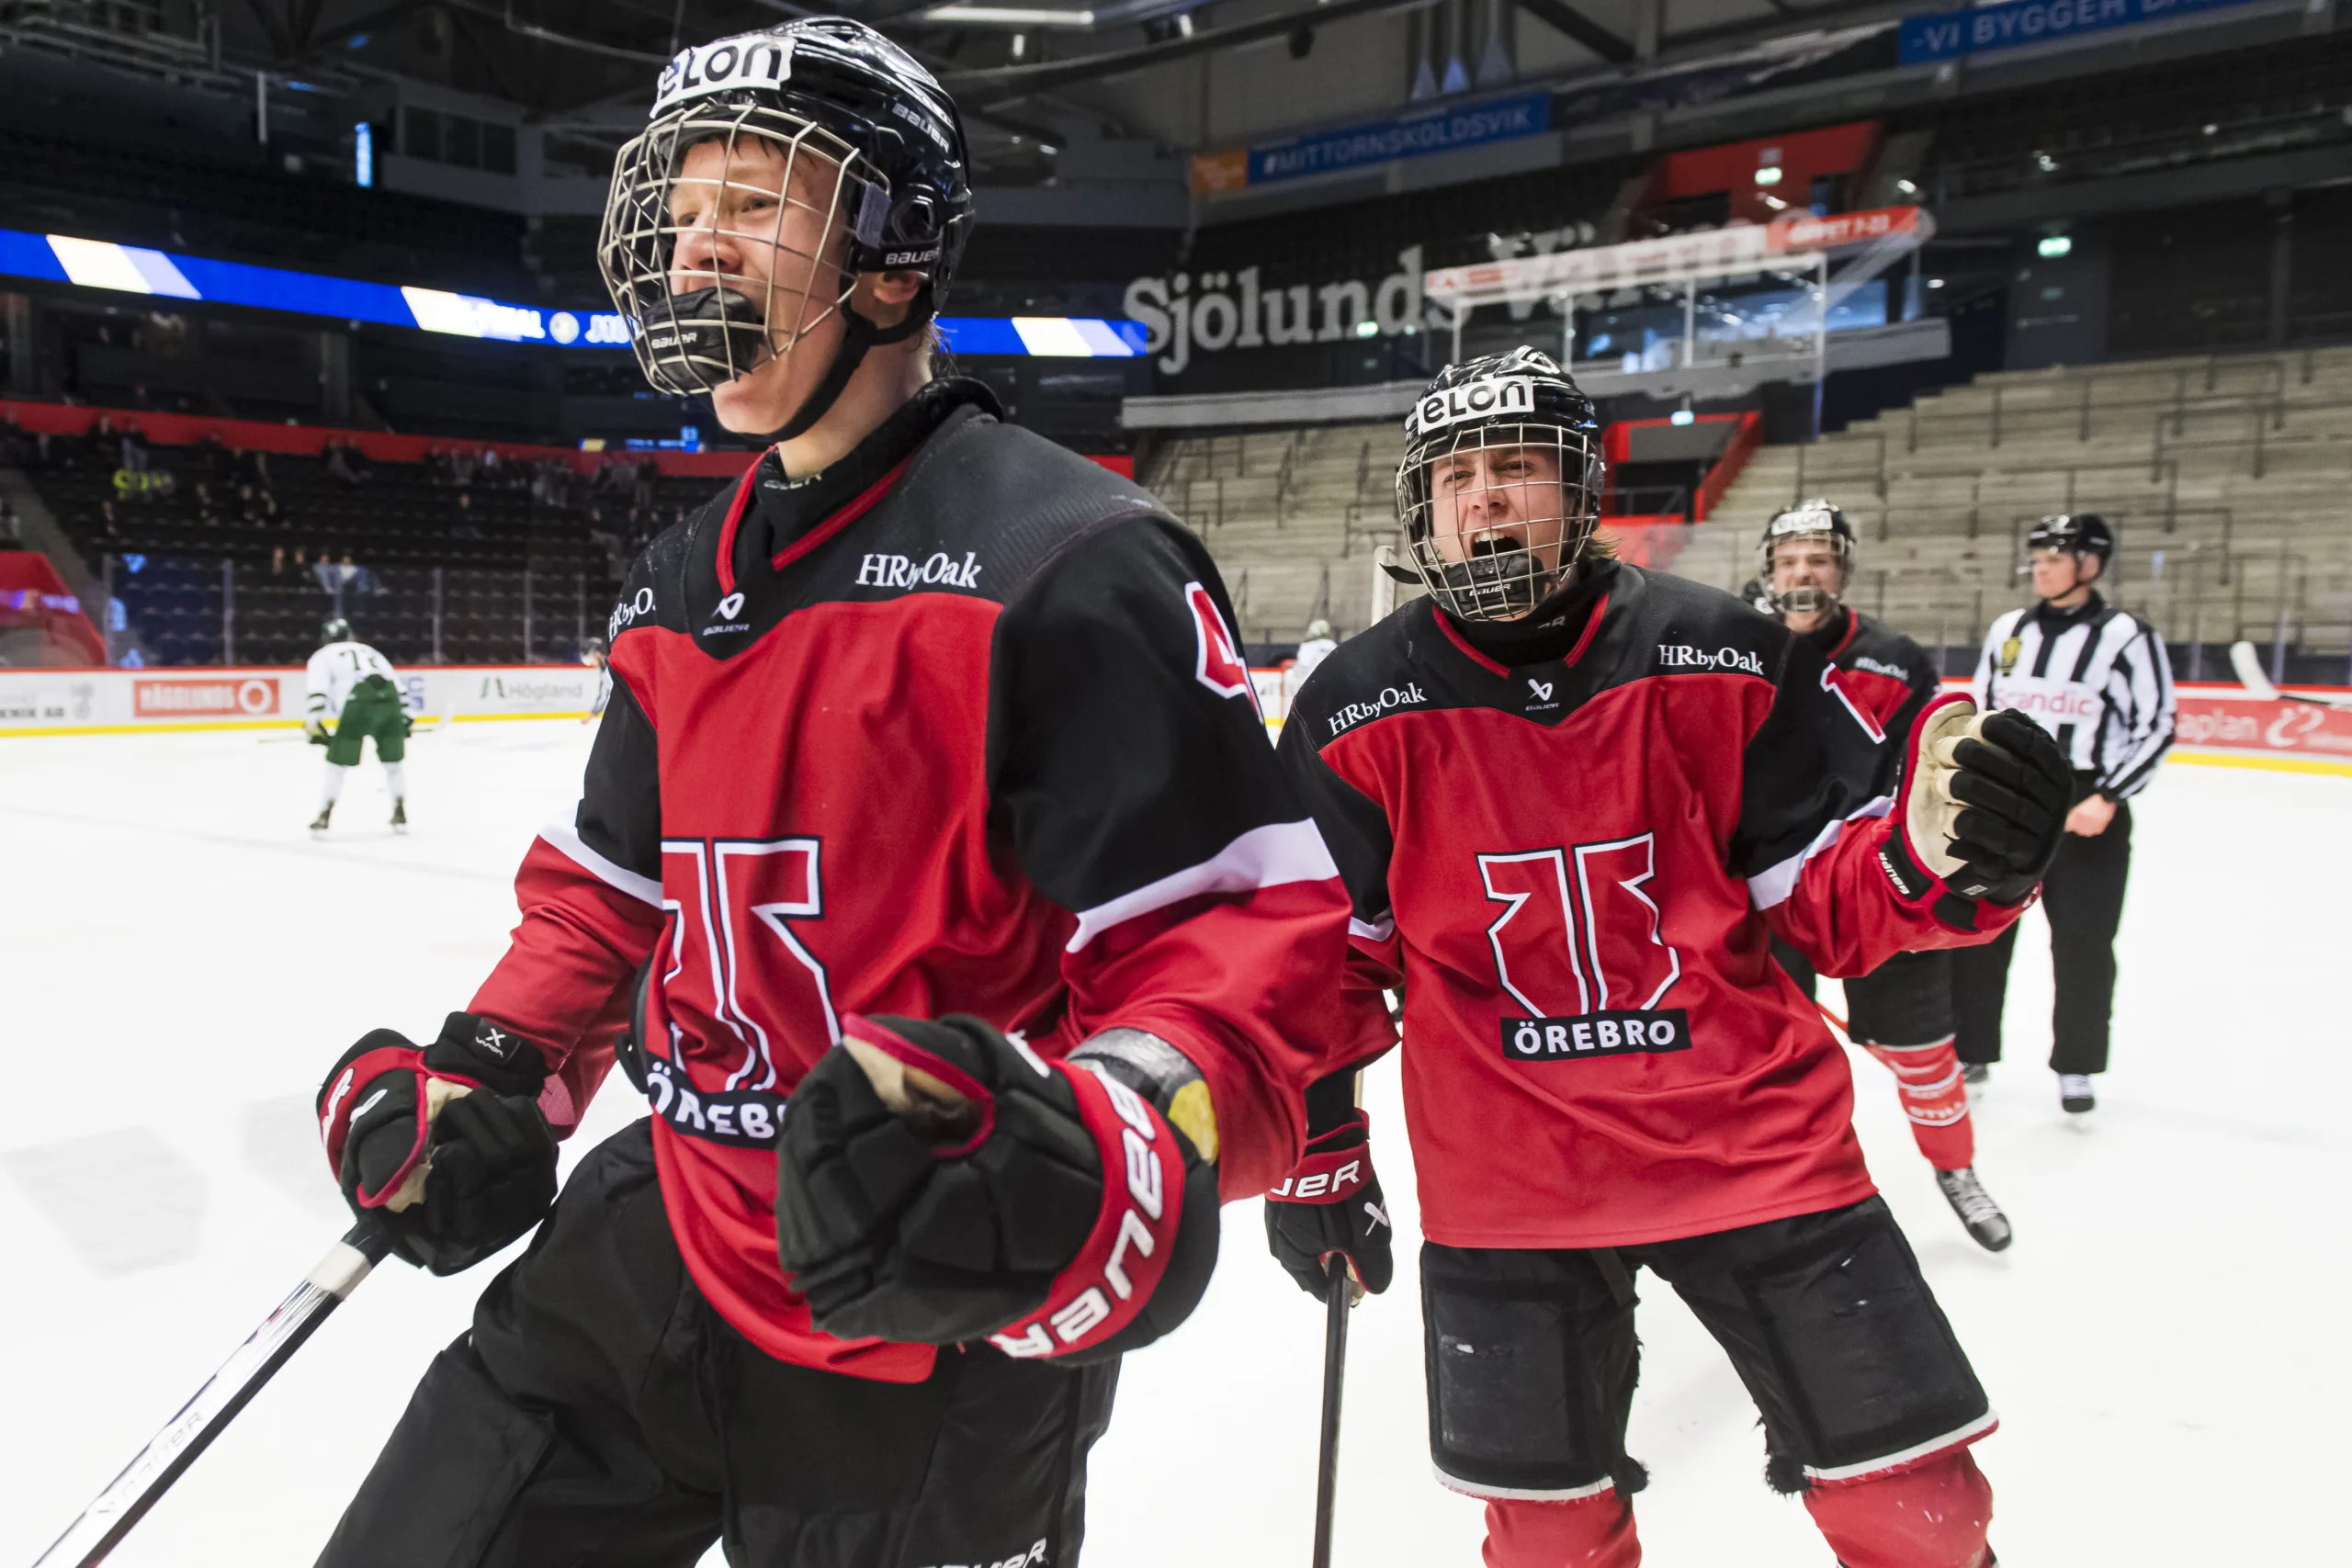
column 1262, row 857
column 563, row 836
column 2102, row 686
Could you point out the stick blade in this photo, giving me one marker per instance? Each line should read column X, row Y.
column 2250, row 673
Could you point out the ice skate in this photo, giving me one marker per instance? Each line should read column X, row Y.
column 399, row 816
column 1975, row 1208
column 1978, row 1077
column 319, row 823
column 2075, row 1092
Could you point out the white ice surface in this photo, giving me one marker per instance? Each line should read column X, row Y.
column 179, row 963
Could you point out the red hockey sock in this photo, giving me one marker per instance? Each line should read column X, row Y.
column 1928, row 1079
column 1590, row 1532
column 1931, row 1517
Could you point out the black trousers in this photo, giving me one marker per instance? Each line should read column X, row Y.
column 1531, row 1356
column 2083, row 896
column 601, row 1414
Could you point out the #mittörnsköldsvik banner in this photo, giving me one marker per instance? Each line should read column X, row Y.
column 1446, row 130
column 1945, row 35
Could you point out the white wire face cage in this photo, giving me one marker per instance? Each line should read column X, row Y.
column 1495, row 515
column 1815, row 520
column 729, row 268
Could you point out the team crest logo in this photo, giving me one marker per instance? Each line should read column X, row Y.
column 1219, row 665
column 2009, row 651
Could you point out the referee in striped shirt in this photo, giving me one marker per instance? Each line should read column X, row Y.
column 2097, row 678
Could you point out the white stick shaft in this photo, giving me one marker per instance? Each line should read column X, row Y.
column 146, row 1478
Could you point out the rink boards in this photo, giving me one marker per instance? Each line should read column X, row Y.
column 124, row 702
column 2219, row 723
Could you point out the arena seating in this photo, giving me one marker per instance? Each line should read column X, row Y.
column 1292, row 516
column 2222, row 476
column 514, row 572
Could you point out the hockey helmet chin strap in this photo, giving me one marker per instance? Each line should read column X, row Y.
column 858, row 334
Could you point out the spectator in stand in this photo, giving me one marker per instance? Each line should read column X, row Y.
column 108, row 526
column 12, row 533
column 461, row 468
column 463, row 528
column 277, row 560
column 339, row 466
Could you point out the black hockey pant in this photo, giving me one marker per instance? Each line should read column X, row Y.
column 1531, row 1355
column 2083, row 896
column 601, row 1414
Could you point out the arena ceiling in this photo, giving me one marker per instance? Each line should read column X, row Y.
column 1182, row 72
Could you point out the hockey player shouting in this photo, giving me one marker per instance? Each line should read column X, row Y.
column 929, row 742
column 1572, row 800
column 1901, row 1012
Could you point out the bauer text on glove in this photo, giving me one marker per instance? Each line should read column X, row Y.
column 938, row 1183
column 1330, row 1203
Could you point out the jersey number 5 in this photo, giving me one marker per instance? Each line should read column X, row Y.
column 1577, row 934
column 735, row 965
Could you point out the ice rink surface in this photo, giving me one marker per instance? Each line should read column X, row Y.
column 180, row 963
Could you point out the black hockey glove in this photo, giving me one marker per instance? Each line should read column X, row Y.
column 2014, row 788
column 1330, row 1203
column 1984, row 802
column 445, row 1147
column 937, row 1184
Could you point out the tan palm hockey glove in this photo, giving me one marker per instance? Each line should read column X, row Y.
column 1984, row 803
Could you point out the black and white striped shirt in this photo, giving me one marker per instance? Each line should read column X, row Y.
column 2095, row 677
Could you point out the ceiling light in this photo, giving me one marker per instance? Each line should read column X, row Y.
column 1907, row 188
column 1769, row 175
column 2054, row 245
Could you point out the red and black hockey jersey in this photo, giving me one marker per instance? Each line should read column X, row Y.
column 1573, row 864
column 960, row 727
column 1885, row 672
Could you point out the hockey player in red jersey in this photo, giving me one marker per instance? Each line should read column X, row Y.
column 1572, row 801
column 933, row 880
column 1901, row 1012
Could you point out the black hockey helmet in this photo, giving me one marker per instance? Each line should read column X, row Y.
column 2077, row 533
column 1511, row 438
column 1815, row 519
column 892, row 177
column 336, row 630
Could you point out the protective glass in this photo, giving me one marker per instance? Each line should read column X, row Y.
column 726, row 238
column 1496, row 514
